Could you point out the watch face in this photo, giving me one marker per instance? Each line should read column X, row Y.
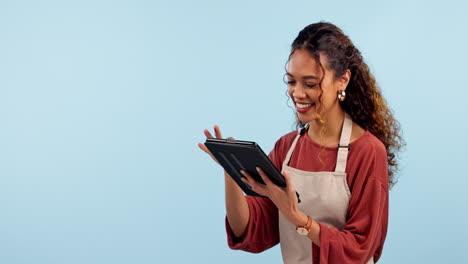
column 302, row 231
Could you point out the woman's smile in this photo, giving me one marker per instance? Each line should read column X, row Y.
column 303, row 108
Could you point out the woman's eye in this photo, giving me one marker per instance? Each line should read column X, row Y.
column 308, row 85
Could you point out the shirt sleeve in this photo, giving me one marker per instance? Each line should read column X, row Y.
column 262, row 231
column 367, row 219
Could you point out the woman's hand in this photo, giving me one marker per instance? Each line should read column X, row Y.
column 285, row 198
column 208, row 135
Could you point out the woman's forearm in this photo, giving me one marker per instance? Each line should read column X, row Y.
column 236, row 206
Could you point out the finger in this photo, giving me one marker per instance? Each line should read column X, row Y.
column 207, row 133
column 246, row 182
column 204, row 148
column 254, row 185
column 265, row 178
column 290, row 187
column 289, row 184
column 217, row 131
column 248, row 179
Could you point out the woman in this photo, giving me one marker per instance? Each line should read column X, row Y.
column 341, row 161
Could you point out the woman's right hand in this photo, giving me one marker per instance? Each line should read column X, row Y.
column 237, row 209
column 207, row 133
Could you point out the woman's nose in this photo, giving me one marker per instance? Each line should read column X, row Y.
column 299, row 91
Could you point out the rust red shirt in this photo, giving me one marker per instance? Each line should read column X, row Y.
column 367, row 218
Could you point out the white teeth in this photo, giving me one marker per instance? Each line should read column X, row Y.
column 303, row 105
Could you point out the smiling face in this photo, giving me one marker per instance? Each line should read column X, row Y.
column 304, row 87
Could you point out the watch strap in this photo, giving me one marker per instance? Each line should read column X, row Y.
column 308, row 225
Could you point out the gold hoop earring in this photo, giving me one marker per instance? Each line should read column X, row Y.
column 341, row 96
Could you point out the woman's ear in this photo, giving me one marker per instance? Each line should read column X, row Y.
column 343, row 81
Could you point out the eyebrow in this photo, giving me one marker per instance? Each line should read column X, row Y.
column 305, row 77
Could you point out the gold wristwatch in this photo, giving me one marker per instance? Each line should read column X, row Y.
column 304, row 230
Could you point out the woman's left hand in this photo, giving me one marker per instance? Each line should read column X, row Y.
column 285, row 198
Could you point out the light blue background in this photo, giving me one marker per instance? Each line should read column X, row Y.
column 102, row 104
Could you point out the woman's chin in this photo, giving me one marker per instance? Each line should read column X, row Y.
column 308, row 117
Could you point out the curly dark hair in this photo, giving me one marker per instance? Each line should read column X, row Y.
column 364, row 101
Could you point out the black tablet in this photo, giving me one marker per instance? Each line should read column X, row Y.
column 236, row 155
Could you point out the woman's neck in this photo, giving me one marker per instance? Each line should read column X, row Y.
column 333, row 124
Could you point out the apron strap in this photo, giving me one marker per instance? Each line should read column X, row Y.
column 344, row 146
column 291, row 149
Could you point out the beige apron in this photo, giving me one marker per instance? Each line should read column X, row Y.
column 324, row 197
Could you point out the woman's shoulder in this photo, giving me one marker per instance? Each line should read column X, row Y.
column 368, row 142
column 368, row 160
